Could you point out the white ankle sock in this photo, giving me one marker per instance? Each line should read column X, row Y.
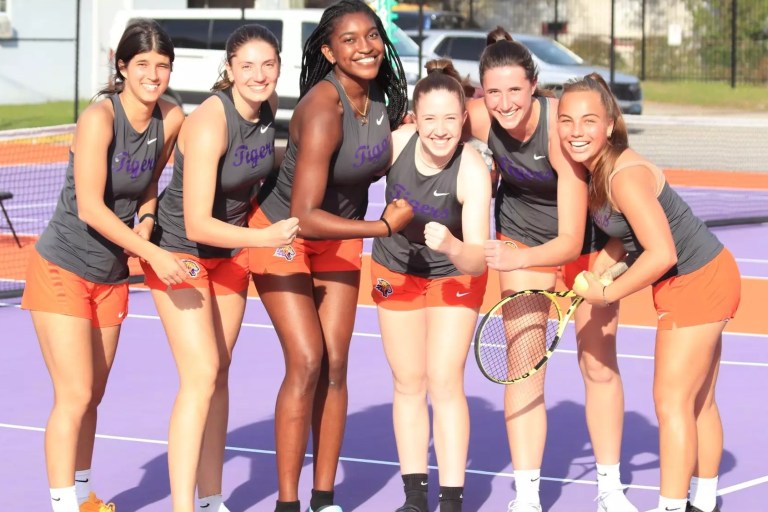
column 671, row 504
column 704, row 493
column 82, row 485
column 608, row 477
column 64, row 499
column 527, row 485
column 213, row 503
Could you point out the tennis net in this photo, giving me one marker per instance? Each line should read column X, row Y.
column 718, row 165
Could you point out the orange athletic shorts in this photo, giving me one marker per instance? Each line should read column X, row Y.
column 404, row 292
column 521, row 245
column 303, row 256
column 708, row 295
column 52, row 289
column 223, row 276
column 570, row 270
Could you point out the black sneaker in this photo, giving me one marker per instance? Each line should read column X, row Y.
column 691, row 508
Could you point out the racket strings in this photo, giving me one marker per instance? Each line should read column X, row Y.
column 517, row 337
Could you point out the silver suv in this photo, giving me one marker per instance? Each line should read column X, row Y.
column 557, row 64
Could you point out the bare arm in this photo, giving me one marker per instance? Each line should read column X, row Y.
column 204, row 142
column 474, row 193
column 92, row 138
column 634, row 193
column 317, row 129
column 173, row 117
column 571, row 215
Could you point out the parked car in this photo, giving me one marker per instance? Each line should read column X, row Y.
column 408, row 20
column 556, row 63
column 199, row 36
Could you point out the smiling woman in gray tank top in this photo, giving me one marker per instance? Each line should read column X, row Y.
column 76, row 286
column 428, row 282
column 541, row 212
column 225, row 149
column 696, row 287
column 352, row 94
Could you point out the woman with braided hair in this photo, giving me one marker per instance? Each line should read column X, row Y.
column 352, row 95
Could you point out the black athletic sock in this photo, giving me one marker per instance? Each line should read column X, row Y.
column 451, row 499
column 288, row 506
column 416, row 486
column 320, row 499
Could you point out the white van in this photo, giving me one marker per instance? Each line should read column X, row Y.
column 199, row 37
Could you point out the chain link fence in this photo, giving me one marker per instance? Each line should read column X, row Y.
column 702, row 40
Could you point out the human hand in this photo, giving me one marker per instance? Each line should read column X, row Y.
column 169, row 269
column 279, row 234
column 503, row 256
column 144, row 230
column 439, row 238
column 398, row 214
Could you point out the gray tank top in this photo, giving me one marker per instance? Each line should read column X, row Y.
column 526, row 200
column 695, row 244
column 131, row 157
column 249, row 157
column 434, row 198
column 365, row 152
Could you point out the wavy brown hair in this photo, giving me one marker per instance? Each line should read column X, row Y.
column 618, row 141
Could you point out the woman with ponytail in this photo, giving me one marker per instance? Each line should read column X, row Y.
column 696, row 287
column 225, row 148
column 428, row 282
column 541, row 225
column 77, row 280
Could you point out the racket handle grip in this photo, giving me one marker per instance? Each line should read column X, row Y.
column 615, row 270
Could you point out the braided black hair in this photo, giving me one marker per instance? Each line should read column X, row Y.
column 391, row 77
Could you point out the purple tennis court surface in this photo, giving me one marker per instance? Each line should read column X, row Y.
column 130, row 464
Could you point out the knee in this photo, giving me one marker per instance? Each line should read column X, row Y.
column 201, row 379
column 596, row 371
column 444, row 385
column 671, row 406
column 337, row 370
column 410, row 385
column 303, row 372
column 76, row 401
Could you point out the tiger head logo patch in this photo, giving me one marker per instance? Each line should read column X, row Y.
column 286, row 252
column 383, row 287
column 193, row 269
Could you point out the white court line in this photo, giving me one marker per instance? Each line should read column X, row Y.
column 726, row 490
column 567, row 351
column 373, row 335
column 309, row 456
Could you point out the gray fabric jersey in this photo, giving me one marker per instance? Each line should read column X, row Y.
column 695, row 244
column 433, row 199
column 249, row 157
column 71, row 243
column 365, row 151
column 526, row 200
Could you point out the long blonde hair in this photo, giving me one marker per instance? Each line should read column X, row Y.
column 618, row 141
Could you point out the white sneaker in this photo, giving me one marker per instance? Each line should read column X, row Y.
column 523, row 506
column 614, row 501
column 329, row 508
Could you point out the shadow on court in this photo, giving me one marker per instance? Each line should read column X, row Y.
column 369, row 437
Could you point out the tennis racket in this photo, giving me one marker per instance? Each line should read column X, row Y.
column 516, row 338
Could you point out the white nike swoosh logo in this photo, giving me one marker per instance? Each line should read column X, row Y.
column 538, row 157
column 380, row 119
column 459, row 294
column 151, row 141
column 119, row 315
column 265, row 128
column 439, row 194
